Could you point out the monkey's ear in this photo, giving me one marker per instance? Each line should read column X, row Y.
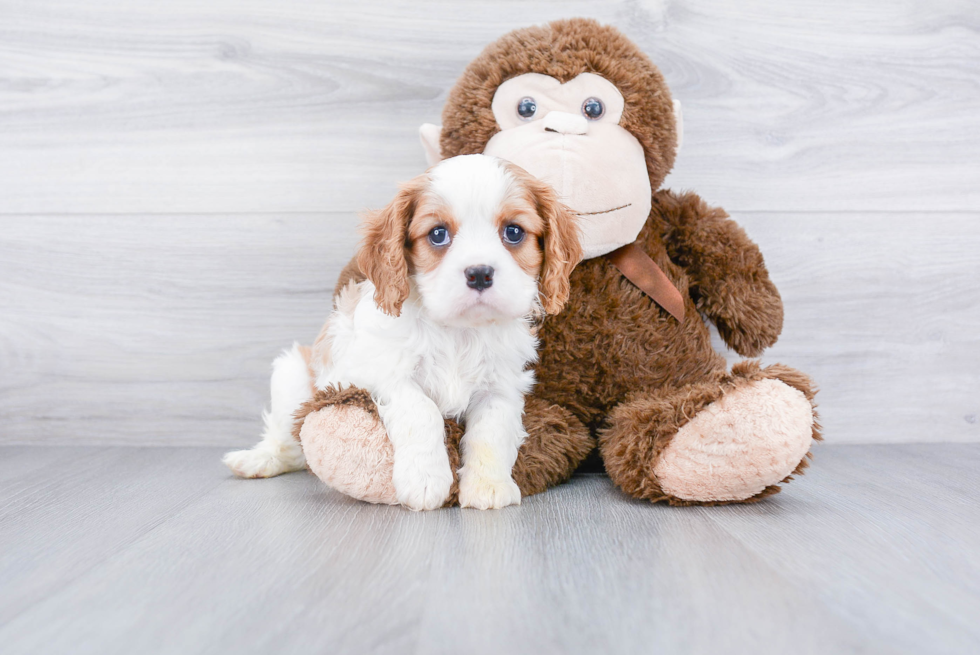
column 429, row 134
column 679, row 124
column 382, row 256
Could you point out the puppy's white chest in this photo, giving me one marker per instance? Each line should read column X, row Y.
column 451, row 365
column 457, row 368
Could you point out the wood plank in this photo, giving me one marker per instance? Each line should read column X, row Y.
column 160, row 330
column 587, row 570
column 21, row 464
column 286, row 565
column 225, row 107
column 275, row 546
column 73, row 508
column 846, row 560
column 905, row 563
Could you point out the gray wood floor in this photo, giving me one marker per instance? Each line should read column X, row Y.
column 158, row 550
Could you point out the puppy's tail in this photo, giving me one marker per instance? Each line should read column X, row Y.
column 279, row 452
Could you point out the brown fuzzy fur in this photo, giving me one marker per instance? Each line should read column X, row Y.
column 613, row 360
column 556, row 443
column 613, row 346
column 640, row 428
column 728, row 277
column 564, row 49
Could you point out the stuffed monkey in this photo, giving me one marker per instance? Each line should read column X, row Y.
column 629, row 362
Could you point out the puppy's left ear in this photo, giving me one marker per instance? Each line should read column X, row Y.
column 382, row 256
column 562, row 249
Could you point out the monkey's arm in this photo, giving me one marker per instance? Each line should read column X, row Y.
column 729, row 280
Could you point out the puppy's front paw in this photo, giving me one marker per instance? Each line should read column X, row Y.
column 481, row 492
column 422, row 480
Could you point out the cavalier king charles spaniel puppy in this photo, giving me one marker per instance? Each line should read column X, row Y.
column 457, row 267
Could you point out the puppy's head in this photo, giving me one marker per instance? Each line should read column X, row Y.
column 484, row 240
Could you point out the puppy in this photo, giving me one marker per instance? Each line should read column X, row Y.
column 441, row 328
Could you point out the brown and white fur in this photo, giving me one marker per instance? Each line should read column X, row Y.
column 441, row 328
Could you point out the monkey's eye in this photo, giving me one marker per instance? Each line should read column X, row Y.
column 526, row 108
column 593, row 109
column 439, row 236
column 513, row 234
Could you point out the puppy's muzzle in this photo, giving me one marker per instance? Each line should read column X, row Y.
column 479, row 277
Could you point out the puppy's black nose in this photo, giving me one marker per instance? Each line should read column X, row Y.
column 479, row 277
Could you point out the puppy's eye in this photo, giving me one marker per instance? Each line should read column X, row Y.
column 593, row 109
column 526, row 108
column 439, row 236
column 513, row 234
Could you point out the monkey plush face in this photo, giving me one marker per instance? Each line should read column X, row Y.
column 577, row 104
column 569, row 136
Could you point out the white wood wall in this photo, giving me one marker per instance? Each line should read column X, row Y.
column 179, row 184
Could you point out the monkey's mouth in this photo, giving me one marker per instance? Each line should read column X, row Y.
column 604, row 211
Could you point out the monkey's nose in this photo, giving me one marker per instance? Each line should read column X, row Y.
column 565, row 123
column 479, row 277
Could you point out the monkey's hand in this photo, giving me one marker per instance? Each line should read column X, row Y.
column 729, row 280
column 748, row 313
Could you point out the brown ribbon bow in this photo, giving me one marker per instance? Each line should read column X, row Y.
column 642, row 271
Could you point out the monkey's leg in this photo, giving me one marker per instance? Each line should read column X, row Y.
column 732, row 440
column 556, row 444
column 346, row 446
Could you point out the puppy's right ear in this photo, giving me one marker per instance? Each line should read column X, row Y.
column 383, row 253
